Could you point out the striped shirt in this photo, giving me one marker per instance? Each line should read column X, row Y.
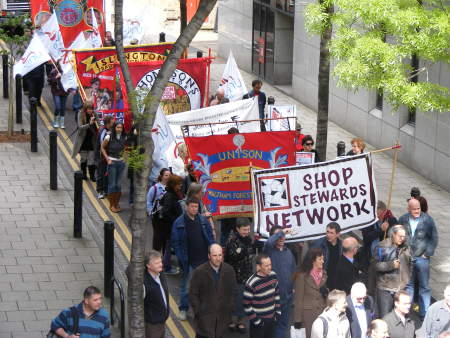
column 261, row 297
column 96, row 326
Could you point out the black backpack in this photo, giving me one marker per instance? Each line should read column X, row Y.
column 76, row 321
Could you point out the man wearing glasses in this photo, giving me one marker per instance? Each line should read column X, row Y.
column 360, row 310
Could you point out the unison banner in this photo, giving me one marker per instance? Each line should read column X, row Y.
column 185, row 90
column 222, row 163
column 74, row 16
column 307, row 198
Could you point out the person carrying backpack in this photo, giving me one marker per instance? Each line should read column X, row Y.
column 169, row 212
column 154, row 196
column 87, row 319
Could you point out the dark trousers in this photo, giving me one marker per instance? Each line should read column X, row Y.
column 34, row 86
column 385, row 301
column 155, row 330
column 102, row 179
column 266, row 329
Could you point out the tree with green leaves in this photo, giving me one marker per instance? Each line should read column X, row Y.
column 374, row 41
column 144, row 124
column 12, row 33
column 318, row 20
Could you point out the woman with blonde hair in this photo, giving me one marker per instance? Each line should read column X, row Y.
column 86, row 141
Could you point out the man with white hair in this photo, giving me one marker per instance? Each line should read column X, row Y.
column 219, row 98
column 437, row 319
column 360, row 310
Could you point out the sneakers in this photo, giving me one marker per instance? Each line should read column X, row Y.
column 61, row 122
column 56, row 122
column 182, row 315
column 101, row 195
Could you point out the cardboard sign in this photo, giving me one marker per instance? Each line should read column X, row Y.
column 307, row 198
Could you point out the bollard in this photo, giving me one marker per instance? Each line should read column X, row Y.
column 341, row 148
column 270, row 100
column 53, row 160
column 108, row 227
column 5, row 76
column 33, row 124
column 18, row 98
column 78, row 204
column 162, row 37
column 199, row 54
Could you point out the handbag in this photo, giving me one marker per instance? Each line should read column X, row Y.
column 298, row 333
column 76, row 321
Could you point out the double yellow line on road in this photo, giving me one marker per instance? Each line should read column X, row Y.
column 46, row 116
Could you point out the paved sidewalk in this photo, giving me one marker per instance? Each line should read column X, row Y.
column 42, row 267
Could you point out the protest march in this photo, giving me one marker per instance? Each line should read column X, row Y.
column 262, row 234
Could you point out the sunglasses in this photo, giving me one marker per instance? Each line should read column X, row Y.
column 309, row 144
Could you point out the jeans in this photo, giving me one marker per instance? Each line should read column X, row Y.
column 385, row 301
column 282, row 323
column 60, row 105
column 115, row 171
column 102, row 179
column 184, row 289
column 167, row 256
column 421, row 273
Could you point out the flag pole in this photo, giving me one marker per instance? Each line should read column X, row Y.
column 394, row 167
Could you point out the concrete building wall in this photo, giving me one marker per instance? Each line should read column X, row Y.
column 235, row 31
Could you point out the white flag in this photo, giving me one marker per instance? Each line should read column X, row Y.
column 35, row 55
column 162, row 134
column 232, row 81
column 51, row 37
column 94, row 38
column 68, row 78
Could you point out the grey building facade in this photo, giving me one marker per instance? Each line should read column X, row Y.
column 268, row 38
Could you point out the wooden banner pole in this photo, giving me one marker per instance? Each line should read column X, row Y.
column 394, row 167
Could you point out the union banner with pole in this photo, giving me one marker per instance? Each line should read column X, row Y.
column 222, row 163
column 306, row 198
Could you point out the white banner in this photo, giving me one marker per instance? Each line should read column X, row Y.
column 232, row 81
column 35, row 55
column 51, row 37
column 228, row 112
column 276, row 112
column 307, row 198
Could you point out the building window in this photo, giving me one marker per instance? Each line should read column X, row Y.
column 414, row 79
column 412, row 116
column 379, row 100
column 286, row 5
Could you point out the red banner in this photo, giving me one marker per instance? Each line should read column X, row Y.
column 74, row 16
column 186, row 88
column 222, row 163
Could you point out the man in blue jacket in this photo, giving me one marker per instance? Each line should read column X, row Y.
column 283, row 263
column 191, row 238
column 423, row 239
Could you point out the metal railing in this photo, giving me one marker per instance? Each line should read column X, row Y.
column 122, row 306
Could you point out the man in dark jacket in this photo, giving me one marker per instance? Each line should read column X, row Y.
column 239, row 253
column 398, row 321
column 256, row 91
column 191, row 238
column 360, row 310
column 348, row 268
column 331, row 246
column 156, row 296
column 392, row 261
column 211, row 295
column 422, row 237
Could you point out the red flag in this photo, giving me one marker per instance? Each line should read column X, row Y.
column 222, row 163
